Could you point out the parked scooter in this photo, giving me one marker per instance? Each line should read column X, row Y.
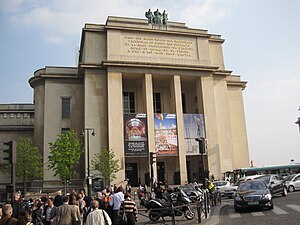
column 177, row 203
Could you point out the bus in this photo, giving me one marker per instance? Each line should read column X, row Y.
column 281, row 170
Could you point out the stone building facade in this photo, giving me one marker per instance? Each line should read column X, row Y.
column 145, row 88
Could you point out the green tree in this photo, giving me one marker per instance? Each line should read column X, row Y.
column 29, row 162
column 65, row 153
column 105, row 163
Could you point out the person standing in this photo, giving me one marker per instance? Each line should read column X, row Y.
column 50, row 212
column 115, row 202
column 24, row 218
column 66, row 213
column 77, row 212
column 58, row 199
column 7, row 218
column 129, row 208
column 37, row 214
column 97, row 216
column 16, row 205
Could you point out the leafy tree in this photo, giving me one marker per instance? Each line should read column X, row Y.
column 29, row 163
column 65, row 153
column 105, row 163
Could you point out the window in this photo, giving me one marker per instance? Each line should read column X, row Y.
column 66, row 107
column 156, row 103
column 64, row 130
column 18, row 115
column 128, row 102
column 183, row 103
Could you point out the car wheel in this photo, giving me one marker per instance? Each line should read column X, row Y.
column 291, row 188
column 284, row 191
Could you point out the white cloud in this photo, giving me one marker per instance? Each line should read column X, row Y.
column 67, row 17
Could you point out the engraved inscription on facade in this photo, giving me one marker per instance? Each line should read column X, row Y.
column 157, row 46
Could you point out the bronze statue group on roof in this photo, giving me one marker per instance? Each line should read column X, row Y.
column 157, row 17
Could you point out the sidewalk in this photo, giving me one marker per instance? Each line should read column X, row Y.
column 213, row 218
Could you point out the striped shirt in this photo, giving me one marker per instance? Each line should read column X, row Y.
column 129, row 207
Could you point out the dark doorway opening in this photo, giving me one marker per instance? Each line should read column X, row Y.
column 131, row 173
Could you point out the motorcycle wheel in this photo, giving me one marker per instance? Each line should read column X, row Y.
column 153, row 217
column 189, row 213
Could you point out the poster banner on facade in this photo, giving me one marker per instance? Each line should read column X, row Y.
column 165, row 134
column 193, row 128
column 136, row 143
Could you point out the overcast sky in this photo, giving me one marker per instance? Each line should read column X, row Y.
column 262, row 44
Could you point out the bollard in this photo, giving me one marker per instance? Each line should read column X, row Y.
column 199, row 211
column 173, row 216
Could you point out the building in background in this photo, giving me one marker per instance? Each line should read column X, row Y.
column 144, row 87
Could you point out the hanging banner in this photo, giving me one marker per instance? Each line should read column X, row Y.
column 165, row 134
column 193, row 128
column 136, row 143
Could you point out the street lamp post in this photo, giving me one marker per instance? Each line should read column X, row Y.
column 86, row 134
column 202, row 148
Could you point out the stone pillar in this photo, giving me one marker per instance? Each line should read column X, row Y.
column 148, row 98
column 116, row 121
column 176, row 93
column 206, row 102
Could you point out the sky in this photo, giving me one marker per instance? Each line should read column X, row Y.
column 261, row 44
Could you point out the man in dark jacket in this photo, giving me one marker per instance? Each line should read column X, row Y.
column 16, row 205
column 50, row 213
column 58, row 199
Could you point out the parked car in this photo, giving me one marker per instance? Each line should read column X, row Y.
column 230, row 191
column 221, row 186
column 293, row 182
column 253, row 193
column 274, row 183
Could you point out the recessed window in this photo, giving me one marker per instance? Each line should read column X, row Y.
column 5, row 115
column 12, row 115
column 183, row 103
column 18, row 115
column 128, row 102
column 64, row 130
column 66, row 107
column 157, row 103
column 25, row 115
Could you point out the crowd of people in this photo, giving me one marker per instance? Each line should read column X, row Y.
column 112, row 206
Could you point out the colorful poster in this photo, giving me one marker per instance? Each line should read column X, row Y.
column 193, row 128
column 136, row 143
column 165, row 134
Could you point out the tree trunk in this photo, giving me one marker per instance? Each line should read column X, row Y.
column 24, row 186
column 65, row 187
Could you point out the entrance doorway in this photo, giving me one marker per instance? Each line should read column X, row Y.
column 131, row 173
column 160, row 171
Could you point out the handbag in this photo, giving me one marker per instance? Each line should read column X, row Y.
column 124, row 218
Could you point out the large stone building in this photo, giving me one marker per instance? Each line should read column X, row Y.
column 144, row 87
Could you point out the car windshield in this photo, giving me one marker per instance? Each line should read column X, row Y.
column 290, row 177
column 246, row 186
column 219, row 183
column 265, row 179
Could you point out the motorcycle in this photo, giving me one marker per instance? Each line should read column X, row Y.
column 177, row 203
column 143, row 199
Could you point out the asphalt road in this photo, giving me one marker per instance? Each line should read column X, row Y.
column 286, row 211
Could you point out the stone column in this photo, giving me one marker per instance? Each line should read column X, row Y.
column 207, row 106
column 115, row 121
column 176, row 92
column 148, row 98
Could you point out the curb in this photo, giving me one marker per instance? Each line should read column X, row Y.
column 214, row 218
